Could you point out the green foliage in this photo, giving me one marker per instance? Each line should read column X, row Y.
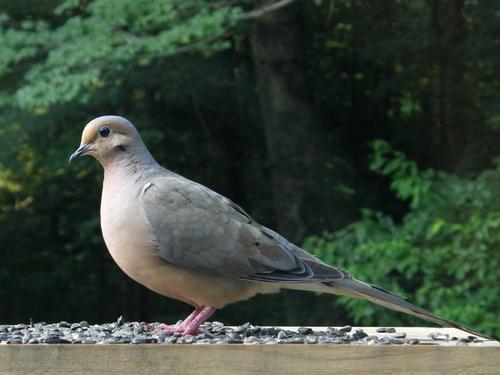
column 444, row 252
column 95, row 40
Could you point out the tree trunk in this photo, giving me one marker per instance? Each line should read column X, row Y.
column 278, row 54
column 451, row 118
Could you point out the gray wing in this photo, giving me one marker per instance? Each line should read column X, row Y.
column 200, row 229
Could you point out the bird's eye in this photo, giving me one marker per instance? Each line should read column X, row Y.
column 104, row 131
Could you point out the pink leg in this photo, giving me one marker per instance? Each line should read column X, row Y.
column 182, row 326
column 189, row 319
column 198, row 320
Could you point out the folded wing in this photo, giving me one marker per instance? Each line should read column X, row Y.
column 197, row 228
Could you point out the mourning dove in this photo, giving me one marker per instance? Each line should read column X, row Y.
column 187, row 242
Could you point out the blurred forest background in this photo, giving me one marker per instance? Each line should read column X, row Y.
column 366, row 130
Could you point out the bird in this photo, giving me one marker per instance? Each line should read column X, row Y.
column 187, row 242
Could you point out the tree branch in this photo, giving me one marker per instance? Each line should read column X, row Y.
column 256, row 13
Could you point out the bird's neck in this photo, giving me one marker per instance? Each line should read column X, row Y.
column 129, row 165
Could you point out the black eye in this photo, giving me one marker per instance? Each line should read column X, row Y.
column 104, row 131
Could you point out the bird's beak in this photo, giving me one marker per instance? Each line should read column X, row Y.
column 81, row 151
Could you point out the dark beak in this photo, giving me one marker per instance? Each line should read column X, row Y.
column 81, row 151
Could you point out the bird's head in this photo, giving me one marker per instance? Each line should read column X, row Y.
column 110, row 139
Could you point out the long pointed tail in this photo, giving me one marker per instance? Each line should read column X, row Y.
column 372, row 293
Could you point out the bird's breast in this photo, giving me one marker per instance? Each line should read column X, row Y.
column 125, row 230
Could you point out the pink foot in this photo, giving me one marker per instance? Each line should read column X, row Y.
column 179, row 327
column 198, row 320
column 168, row 329
column 190, row 325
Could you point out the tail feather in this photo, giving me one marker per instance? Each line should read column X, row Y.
column 372, row 293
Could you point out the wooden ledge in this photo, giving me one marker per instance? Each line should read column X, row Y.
column 78, row 359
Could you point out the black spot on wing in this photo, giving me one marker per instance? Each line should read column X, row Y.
column 267, row 234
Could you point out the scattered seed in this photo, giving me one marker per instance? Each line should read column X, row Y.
column 439, row 336
column 211, row 333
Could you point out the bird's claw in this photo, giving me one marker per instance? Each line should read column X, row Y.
column 177, row 328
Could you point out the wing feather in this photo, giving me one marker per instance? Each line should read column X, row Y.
column 198, row 228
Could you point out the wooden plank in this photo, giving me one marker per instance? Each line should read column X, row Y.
column 242, row 359
column 249, row 359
